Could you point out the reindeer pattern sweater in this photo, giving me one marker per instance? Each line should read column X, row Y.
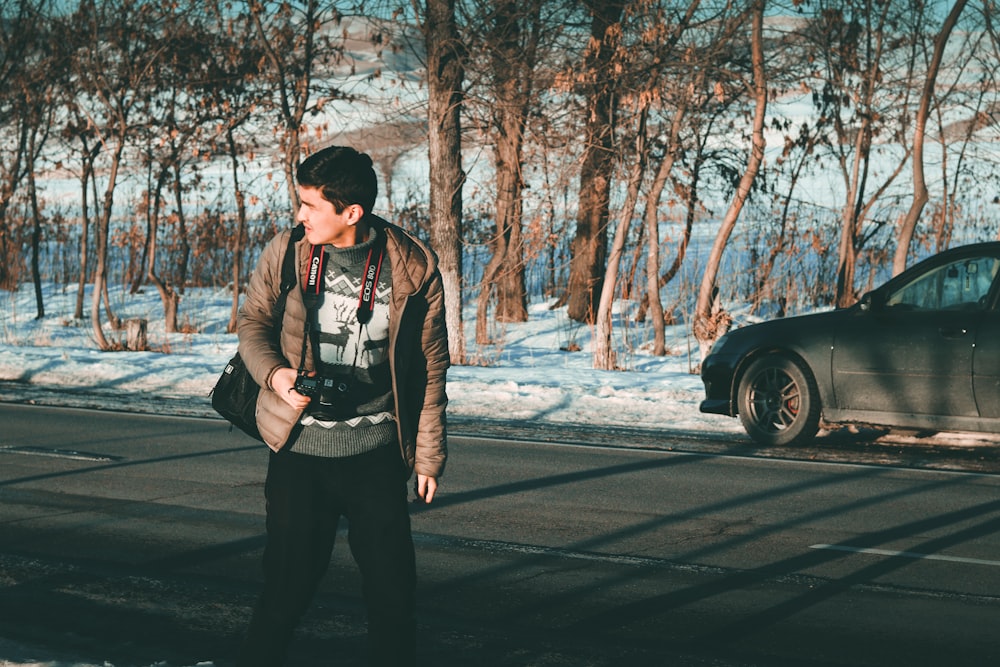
column 418, row 345
column 354, row 414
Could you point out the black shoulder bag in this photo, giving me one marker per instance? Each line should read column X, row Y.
column 235, row 393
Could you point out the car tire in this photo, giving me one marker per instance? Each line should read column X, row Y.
column 778, row 401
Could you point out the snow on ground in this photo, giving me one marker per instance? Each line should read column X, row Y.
column 526, row 376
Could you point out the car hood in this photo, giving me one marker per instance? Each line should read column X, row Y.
column 800, row 332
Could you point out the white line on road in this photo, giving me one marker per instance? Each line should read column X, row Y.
column 58, row 453
column 905, row 554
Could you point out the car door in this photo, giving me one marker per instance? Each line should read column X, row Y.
column 986, row 363
column 911, row 351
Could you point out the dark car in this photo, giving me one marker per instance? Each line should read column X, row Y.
column 920, row 352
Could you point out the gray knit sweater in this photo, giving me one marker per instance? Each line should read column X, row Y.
column 355, row 416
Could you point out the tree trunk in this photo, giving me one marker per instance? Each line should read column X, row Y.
column 86, row 180
column 691, row 204
column 100, row 273
column 490, row 272
column 604, row 355
column 515, row 97
column 445, row 76
column 36, row 232
column 292, row 88
column 168, row 296
column 512, row 293
column 507, row 264
column 857, row 179
column 9, row 247
column 590, row 244
column 503, row 276
column 710, row 321
column 909, row 223
column 763, row 273
column 849, row 220
column 241, row 230
column 651, row 217
column 184, row 249
column 99, row 278
column 135, row 335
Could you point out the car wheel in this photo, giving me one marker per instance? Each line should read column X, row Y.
column 778, row 401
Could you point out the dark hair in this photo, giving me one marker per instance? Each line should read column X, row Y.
column 344, row 176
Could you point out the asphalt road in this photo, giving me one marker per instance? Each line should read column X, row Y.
column 136, row 539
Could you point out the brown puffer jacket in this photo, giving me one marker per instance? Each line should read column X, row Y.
column 418, row 345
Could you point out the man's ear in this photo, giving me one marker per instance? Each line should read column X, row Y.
column 354, row 213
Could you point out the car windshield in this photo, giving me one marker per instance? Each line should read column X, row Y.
column 964, row 283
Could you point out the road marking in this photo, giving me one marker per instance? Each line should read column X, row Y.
column 905, row 554
column 59, row 453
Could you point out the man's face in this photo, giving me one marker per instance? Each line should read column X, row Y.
column 322, row 222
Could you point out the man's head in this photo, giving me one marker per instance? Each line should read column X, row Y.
column 342, row 174
column 337, row 186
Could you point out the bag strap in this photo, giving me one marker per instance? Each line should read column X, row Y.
column 289, row 275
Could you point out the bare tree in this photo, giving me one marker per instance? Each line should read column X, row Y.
column 596, row 84
column 650, row 58
column 80, row 144
column 863, row 93
column 604, row 355
column 796, row 155
column 37, row 92
column 710, row 320
column 920, row 196
column 183, row 110
column 79, row 137
column 697, row 111
column 445, row 76
column 163, row 152
column 17, row 52
column 232, row 95
column 512, row 41
column 957, row 141
column 301, row 47
column 117, row 57
column 651, row 219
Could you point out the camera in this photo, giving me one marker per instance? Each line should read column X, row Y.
column 331, row 398
column 308, row 385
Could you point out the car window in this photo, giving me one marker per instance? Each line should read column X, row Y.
column 962, row 284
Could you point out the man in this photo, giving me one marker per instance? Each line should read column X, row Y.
column 352, row 403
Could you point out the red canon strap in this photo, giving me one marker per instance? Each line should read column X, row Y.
column 366, row 300
column 314, row 276
column 313, row 287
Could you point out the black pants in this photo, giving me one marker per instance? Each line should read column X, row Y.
column 306, row 496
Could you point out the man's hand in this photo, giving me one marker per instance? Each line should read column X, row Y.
column 283, row 384
column 426, row 487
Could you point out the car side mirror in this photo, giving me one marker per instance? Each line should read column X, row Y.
column 870, row 302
